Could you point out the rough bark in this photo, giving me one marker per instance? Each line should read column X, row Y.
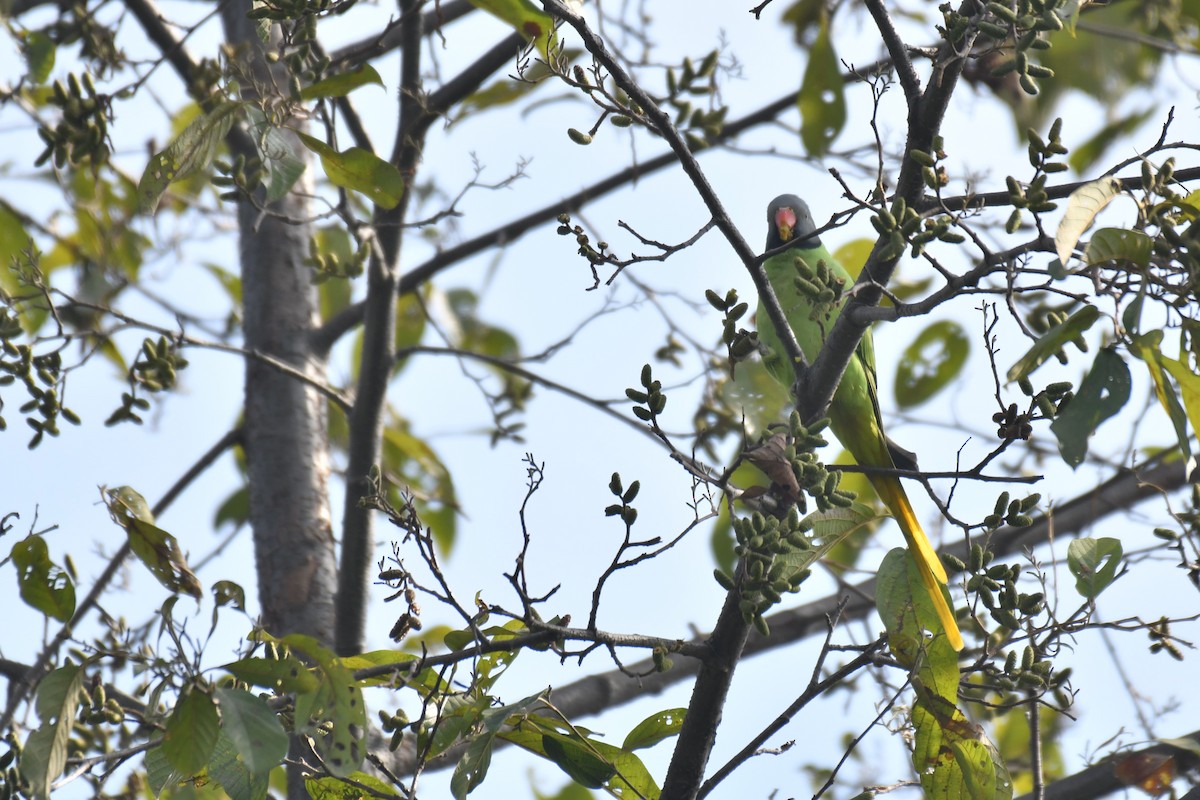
column 287, row 449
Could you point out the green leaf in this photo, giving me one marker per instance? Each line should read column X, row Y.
column 284, row 674
column 472, row 768
column 191, row 733
column 253, row 728
column 951, row 754
column 1052, row 341
column 228, row 593
column 907, row 612
column 1082, row 207
column 822, row 96
column 281, row 166
column 1103, row 393
column 159, row 772
column 45, row 753
column 338, row 789
column 235, row 509
column 13, row 240
column 581, row 763
column 1085, row 155
column 334, row 712
column 342, row 84
column 377, row 658
column 1094, row 563
column 527, row 18
column 1124, row 247
column 930, row 363
column 654, row 728
column 190, row 152
column 1147, row 349
column 44, row 585
column 39, row 51
column 228, row 769
column 1189, row 387
column 153, row 546
column 359, row 170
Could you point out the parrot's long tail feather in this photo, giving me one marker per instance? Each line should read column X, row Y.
column 933, row 574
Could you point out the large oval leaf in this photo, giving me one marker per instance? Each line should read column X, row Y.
column 1103, row 393
column 1082, row 207
column 359, row 170
column 822, row 96
column 930, row 363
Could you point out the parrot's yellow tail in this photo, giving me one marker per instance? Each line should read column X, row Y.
column 933, row 574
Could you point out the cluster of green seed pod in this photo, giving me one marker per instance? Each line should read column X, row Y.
column 650, row 398
column 933, row 172
column 330, row 265
column 158, row 365
column 1011, row 511
column 1026, row 24
column 996, row 587
column 812, row 476
column 740, row 342
column 1043, row 157
column 99, row 708
column 900, row 224
column 81, row 133
column 40, row 374
column 820, row 285
column 126, row 411
column 1159, row 181
column 1042, row 318
column 1012, row 424
column 394, row 723
column 594, row 255
column 1161, row 640
column 240, row 178
column 1022, row 673
column 1052, row 400
column 623, row 509
column 764, row 544
column 11, row 784
column 698, row 125
column 1178, row 238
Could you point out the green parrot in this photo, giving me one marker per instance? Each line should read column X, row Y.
column 854, row 412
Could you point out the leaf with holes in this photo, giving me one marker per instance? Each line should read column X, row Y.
column 1094, row 563
column 930, row 363
column 191, row 151
column 822, row 98
column 1103, row 392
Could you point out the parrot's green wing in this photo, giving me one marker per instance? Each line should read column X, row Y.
column 809, row 284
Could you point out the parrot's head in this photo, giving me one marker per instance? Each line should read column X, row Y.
column 790, row 222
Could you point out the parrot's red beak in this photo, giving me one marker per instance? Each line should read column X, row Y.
column 785, row 223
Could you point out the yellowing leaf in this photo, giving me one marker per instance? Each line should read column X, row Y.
column 359, row 170
column 1189, row 387
column 342, row 84
column 528, row 19
column 1082, row 207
